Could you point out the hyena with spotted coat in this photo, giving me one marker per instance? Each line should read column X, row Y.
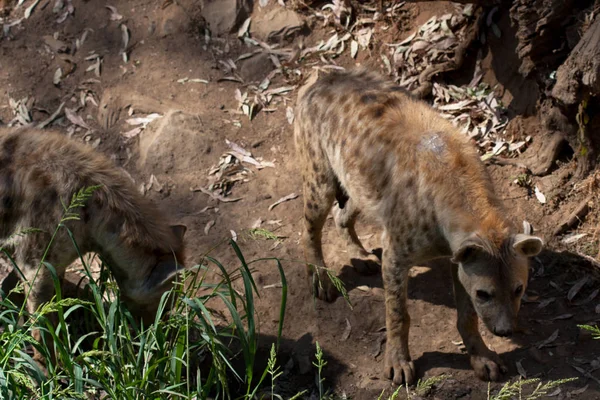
column 42, row 170
column 366, row 143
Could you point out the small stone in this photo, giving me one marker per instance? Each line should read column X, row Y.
column 225, row 16
column 255, row 68
column 276, row 24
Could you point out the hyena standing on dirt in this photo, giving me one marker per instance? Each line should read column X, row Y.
column 39, row 172
column 375, row 149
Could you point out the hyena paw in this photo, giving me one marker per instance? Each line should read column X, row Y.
column 324, row 289
column 367, row 264
column 488, row 368
column 400, row 371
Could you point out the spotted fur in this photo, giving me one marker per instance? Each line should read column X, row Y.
column 40, row 171
column 395, row 159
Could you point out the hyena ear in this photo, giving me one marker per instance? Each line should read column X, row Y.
column 527, row 245
column 468, row 249
column 179, row 230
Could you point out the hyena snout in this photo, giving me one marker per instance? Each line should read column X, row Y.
column 503, row 323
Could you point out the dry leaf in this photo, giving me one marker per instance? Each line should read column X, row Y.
column 52, row 117
column 591, row 297
column 133, row 133
column 244, row 28
column 548, row 341
column 568, row 239
column 76, row 119
column 125, row 41
column 561, row 317
column 233, row 235
column 520, row 369
column 540, row 196
column 29, row 9
column 577, row 287
column 353, row 48
column 347, row 331
column 289, row 113
column 546, row 302
column 289, row 197
column 209, row 225
column 114, row 15
column 577, row 392
column 57, row 76
column 144, row 121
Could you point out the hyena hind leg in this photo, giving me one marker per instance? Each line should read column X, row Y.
column 318, row 199
column 364, row 262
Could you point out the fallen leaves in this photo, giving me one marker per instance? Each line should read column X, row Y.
column 230, row 170
column 216, row 196
column 142, row 122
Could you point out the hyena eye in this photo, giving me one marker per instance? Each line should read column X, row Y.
column 519, row 290
column 483, row 296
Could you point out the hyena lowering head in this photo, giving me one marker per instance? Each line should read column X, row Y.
column 373, row 148
column 39, row 172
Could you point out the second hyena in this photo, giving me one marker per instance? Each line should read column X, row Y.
column 40, row 171
column 366, row 143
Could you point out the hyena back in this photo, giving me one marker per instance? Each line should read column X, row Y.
column 40, row 171
column 366, row 143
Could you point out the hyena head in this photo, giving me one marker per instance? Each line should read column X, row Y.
column 162, row 269
column 495, row 280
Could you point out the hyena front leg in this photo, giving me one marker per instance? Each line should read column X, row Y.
column 39, row 289
column 318, row 198
column 398, row 364
column 487, row 365
column 365, row 263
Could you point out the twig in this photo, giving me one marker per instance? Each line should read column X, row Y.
column 574, row 218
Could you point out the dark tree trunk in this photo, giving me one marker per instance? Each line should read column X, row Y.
column 560, row 38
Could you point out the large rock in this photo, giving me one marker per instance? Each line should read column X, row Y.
column 225, row 16
column 255, row 68
column 279, row 23
column 174, row 144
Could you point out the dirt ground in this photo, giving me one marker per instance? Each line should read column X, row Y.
column 167, row 50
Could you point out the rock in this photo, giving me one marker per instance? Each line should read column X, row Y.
column 255, row 68
column 173, row 144
column 279, row 23
column 173, row 19
column 225, row 16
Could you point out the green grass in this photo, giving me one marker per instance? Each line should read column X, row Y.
column 515, row 390
column 102, row 352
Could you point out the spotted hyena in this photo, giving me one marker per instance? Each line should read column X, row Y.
column 364, row 142
column 40, row 171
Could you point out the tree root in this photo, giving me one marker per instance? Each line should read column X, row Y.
column 425, row 83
